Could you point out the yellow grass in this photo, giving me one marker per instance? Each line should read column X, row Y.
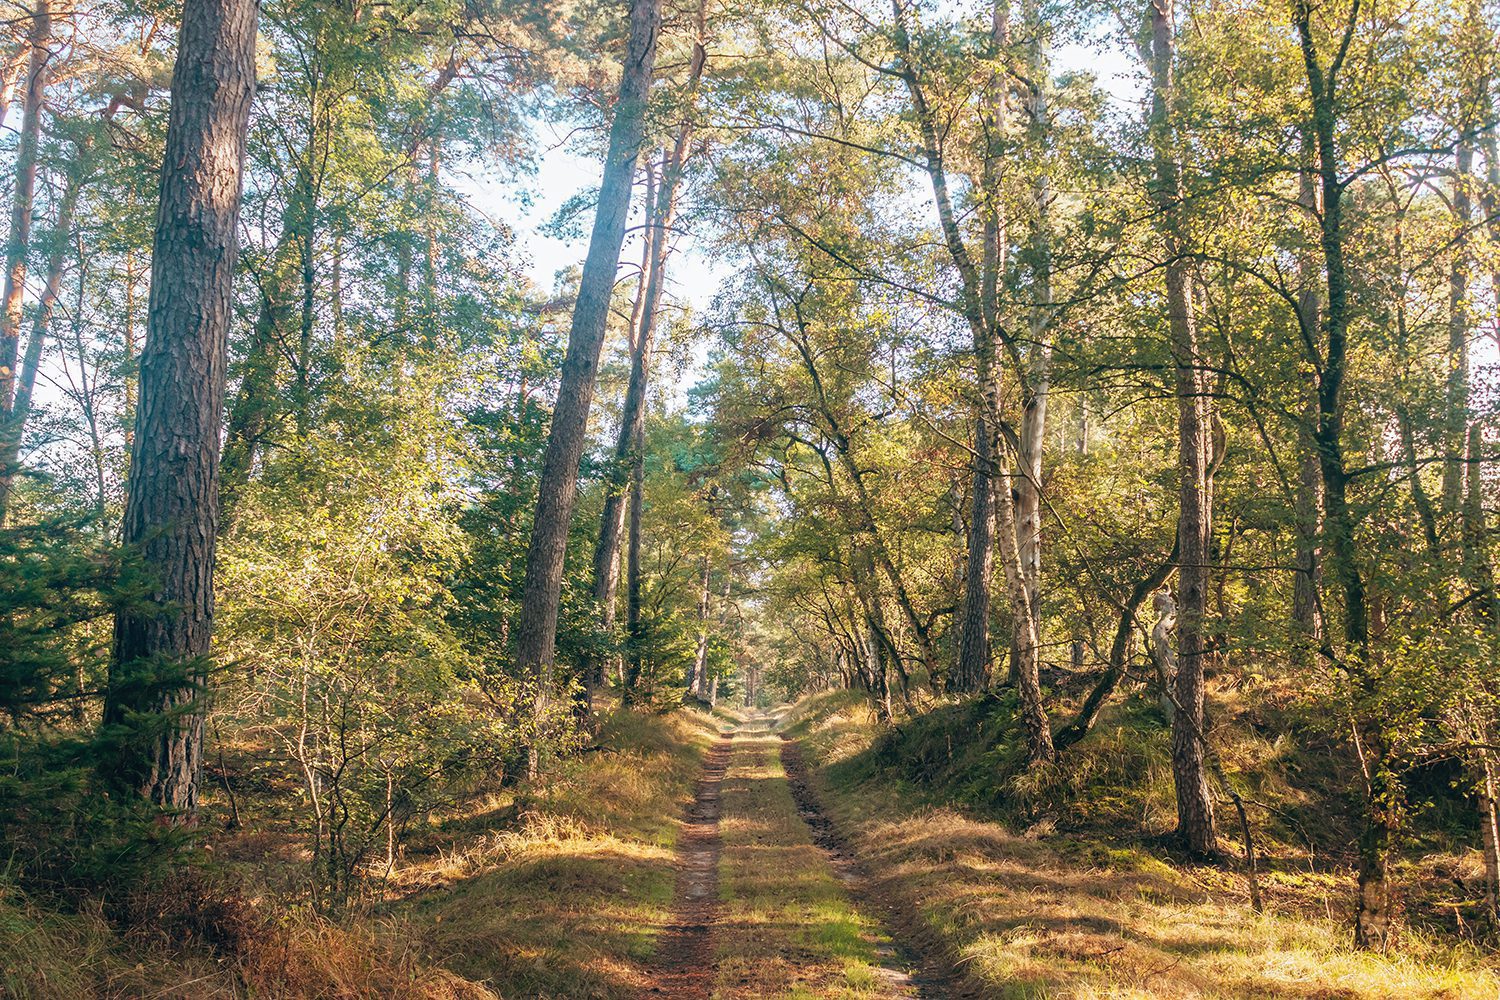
column 1070, row 916
column 552, row 892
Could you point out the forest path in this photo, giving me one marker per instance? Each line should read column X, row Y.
column 897, row 945
column 685, row 958
column 769, row 902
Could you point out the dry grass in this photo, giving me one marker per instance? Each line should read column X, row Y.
column 553, row 892
column 569, row 901
column 46, row 955
column 1083, row 915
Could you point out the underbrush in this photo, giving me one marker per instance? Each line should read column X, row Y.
column 555, row 890
column 1062, row 885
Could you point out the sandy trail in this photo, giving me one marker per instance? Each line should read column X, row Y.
column 685, row 960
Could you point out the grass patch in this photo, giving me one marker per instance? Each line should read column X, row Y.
column 568, row 901
column 786, row 928
column 551, row 891
column 1069, row 906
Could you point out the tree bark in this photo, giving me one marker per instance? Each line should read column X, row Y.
column 1195, row 808
column 971, row 671
column 1372, row 925
column 172, row 506
column 536, row 628
column 19, row 238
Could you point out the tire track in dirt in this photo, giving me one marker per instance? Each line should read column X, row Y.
column 935, row 977
column 685, row 959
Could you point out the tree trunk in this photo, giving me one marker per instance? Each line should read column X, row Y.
column 172, row 508
column 1036, row 378
column 617, row 485
column 700, row 654
column 1307, row 618
column 1456, row 415
column 971, row 672
column 1489, row 832
column 536, row 628
column 660, row 212
column 19, row 239
column 1372, row 923
column 1039, row 748
column 13, row 429
column 635, row 631
column 1195, row 809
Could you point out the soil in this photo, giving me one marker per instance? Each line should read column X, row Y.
column 685, row 958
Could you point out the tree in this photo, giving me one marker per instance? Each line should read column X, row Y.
column 536, row 629
column 172, row 510
column 18, row 240
column 1195, row 446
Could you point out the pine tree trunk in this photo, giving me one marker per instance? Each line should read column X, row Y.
column 632, row 416
column 171, row 510
column 23, row 194
column 536, row 628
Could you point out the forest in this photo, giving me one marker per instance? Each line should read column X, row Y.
column 806, row 499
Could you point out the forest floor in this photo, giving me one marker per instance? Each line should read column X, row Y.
column 758, row 857
column 1093, row 913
